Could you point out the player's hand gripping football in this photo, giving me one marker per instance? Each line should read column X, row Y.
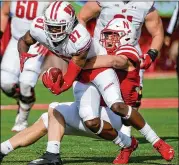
column 53, row 80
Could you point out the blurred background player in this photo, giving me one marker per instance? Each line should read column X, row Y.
column 136, row 12
column 174, row 50
column 14, row 83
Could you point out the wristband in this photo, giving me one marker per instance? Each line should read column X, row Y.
column 1, row 34
column 153, row 53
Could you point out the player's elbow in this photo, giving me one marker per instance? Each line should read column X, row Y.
column 120, row 64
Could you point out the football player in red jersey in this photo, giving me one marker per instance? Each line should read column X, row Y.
column 125, row 59
column 136, row 12
column 14, row 83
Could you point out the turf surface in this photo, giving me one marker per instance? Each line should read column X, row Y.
column 153, row 88
column 88, row 151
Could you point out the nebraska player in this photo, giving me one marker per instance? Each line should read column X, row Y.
column 127, row 64
column 60, row 31
column 14, row 83
column 135, row 12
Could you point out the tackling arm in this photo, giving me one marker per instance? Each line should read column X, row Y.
column 5, row 10
column 88, row 11
column 117, row 62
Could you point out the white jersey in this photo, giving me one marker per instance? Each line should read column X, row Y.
column 133, row 11
column 75, row 125
column 77, row 42
column 23, row 12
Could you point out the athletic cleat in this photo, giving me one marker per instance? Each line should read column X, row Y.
column 165, row 150
column 125, row 153
column 47, row 159
column 19, row 125
column 1, row 156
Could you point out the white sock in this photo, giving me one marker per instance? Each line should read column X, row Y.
column 126, row 130
column 24, row 111
column 53, row 147
column 6, row 147
column 149, row 134
column 122, row 140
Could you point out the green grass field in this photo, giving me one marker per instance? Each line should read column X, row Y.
column 88, row 151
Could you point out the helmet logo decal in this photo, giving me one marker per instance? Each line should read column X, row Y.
column 126, row 24
column 69, row 10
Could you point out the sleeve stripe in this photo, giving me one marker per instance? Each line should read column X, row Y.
column 131, row 52
column 87, row 46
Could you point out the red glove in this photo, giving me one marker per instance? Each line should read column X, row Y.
column 24, row 57
column 68, row 79
column 146, row 61
column 70, row 76
column 54, row 87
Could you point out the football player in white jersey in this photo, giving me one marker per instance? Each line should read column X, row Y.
column 70, row 124
column 136, row 12
column 88, row 102
column 16, row 84
column 59, row 30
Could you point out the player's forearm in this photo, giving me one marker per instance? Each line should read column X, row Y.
column 5, row 10
column 88, row 11
column 23, row 46
column 99, row 62
column 25, row 42
column 157, row 40
column 117, row 62
column 4, row 22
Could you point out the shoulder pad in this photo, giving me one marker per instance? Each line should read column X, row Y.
column 37, row 29
column 130, row 52
column 82, row 39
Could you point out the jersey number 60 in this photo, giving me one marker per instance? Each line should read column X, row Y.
column 26, row 9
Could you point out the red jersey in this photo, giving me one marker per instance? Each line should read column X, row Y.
column 129, row 80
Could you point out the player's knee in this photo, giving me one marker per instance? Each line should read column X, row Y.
column 10, row 89
column 44, row 118
column 93, row 124
column 120, row 109
column 27, row 94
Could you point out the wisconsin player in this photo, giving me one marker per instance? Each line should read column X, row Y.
column 16, row 84
column 70, row 124
column 61, row 33
column 136, row 12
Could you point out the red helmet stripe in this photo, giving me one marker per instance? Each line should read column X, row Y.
column 56, row 11
column 51, row 14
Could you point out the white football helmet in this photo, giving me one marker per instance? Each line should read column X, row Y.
column 59, row 20
column 118, row 32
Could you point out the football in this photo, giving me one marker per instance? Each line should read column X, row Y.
column 54, row 73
